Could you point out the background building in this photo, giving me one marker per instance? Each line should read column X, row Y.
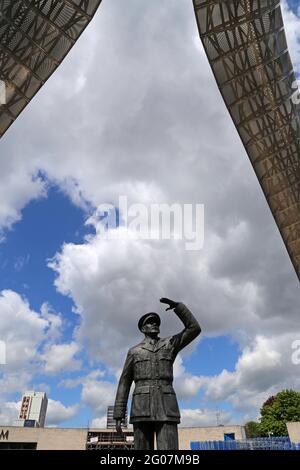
column 190, row 438
column 12, row 437
column 294, row 432
column 33, row 410
column 111, row 422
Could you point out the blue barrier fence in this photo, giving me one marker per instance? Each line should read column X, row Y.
column 260, row 443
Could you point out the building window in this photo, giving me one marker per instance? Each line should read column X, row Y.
column 229, row 436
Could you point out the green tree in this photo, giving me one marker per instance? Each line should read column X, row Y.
column 252, row 429
column 279, row 410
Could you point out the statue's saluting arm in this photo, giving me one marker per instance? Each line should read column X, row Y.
column 192, row 328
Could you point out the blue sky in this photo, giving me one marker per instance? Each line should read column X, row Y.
column 294, row 5
column 46, row 224
column 69, row 300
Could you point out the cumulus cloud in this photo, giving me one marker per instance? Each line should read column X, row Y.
column 17, row 187
column 60, row 357
column 107, row 279
column 12, row 382
column 25, row 334
column 21, row 328
column 57, row 412
column 98, row 395
column 204, row 417
column 141, row 120
column 100, row 273
column 9, row 413
column 264, row 367
column 186, row 385
column 291, row 20
column 25, row 331
column 79, row 380
column 99, row 423
column 54, row 320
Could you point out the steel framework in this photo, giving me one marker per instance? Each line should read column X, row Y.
column 246, row 47
column 35, row 36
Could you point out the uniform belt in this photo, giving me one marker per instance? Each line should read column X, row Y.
column 152, row 382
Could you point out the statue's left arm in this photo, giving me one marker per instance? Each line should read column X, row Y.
column 123, row 389
column 192, row 328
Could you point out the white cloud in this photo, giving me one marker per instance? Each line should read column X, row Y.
column 9, row 413
column 57, row 412
column 99, row 423
column 98, row 395
column 12, row 382
column 145, row 119
column 264, row 368
column 54, row 320
column 186, row 385
column 25, row 332
column 292, row 23
column 72, row 383
column 21, row 328
column 18, row 186
column 60, row 357
column 204, row 417
column 107, row 279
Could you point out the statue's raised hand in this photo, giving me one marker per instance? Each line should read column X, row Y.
column 171, row 303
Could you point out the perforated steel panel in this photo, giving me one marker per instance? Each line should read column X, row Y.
column 35, row 36
column 246, row 46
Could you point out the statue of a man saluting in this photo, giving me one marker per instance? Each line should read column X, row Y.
column 154, row 408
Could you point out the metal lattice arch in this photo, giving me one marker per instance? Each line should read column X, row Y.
column 246, row 47
column 35, row 36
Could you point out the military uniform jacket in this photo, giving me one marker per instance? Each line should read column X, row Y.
column 150, row 366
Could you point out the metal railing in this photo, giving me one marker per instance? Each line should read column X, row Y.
column 261, row 443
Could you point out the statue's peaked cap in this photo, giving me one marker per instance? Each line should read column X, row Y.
column 145, row 317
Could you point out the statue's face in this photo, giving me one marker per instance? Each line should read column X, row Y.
column 150, row 326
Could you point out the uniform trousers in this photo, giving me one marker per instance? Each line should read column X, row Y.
column 165, row 431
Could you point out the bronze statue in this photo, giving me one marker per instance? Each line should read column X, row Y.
column 154, row 408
